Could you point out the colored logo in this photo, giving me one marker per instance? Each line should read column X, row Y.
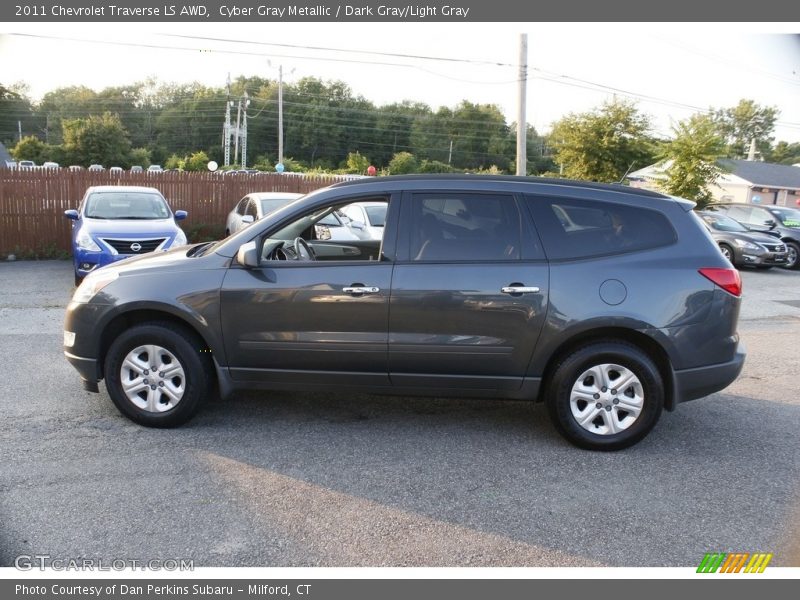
column 735, row 562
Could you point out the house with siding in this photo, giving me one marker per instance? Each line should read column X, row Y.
column 5, row 157
column 742, row 181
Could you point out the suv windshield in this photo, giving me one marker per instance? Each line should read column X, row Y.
column 789, row 217
column 126, row 205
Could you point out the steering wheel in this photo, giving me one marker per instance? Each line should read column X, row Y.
column 300, row 247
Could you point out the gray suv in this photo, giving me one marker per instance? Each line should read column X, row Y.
column 607, row 303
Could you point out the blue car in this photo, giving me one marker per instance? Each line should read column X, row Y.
column 115, row 222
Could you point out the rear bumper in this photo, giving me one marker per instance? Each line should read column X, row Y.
column 690, row 384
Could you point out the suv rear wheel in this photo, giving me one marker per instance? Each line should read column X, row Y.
column 605, row 396
column 156, row 375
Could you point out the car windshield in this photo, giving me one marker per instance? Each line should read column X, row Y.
column 376, row 215
column 269, row 205
column 723, row 223
column 126, row 205
column 789, row 217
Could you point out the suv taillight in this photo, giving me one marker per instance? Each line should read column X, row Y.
column 728, row 279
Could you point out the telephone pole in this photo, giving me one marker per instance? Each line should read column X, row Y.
column 522, row 126
column 226, row 129
column 280, row 114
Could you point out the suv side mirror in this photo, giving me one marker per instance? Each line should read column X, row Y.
column 248, row 255
column 247, row 219
column 72, row 214
column 180, row 215
column 771, row 223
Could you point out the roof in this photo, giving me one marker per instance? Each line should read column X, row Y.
column 764, row 174
column 122, row 188
column 513, row 179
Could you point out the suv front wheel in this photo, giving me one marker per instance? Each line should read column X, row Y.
column 157, row 375
column 605, row 396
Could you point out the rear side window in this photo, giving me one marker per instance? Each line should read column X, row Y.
column 581, row 229
column 464, row 227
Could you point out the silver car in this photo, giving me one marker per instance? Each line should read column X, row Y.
column 255, row 206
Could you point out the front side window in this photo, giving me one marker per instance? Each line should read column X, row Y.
column 581, row 229
column 464, row 227
column 126, row 205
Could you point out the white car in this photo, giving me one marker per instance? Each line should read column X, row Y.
column 155, row 169
column 50, row 165
column 366, row 219
column 255, row 206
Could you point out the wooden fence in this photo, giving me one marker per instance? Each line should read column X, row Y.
column 32, row 202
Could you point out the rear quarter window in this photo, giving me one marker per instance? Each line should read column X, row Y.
column 572, row 229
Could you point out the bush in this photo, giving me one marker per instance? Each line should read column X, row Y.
column 403, row 163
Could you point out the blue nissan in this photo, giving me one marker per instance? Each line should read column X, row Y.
column 115, row 222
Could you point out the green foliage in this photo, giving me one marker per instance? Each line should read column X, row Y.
column 691, row 159
column 174, row 162
column 198, row 161
column 403, row 163
column 356, row 164
column 434, row 166
column 15, row 107
column 744, row 122
column 785, row 153
column 601, row 145
column 141, row 157
column 31, row 148
column 97, row 139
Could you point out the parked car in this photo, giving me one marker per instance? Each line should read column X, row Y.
column 116, row 222
column 137, row 169
column 116, row 170
column 367, row 219
column 50, row 165
column 475, row 290
column 26, row 164
column 742, row 246
column 255, row 206
column 782, row 221
column 75, row 168
column 155, row 169
column 96, row 167
column 11, row 164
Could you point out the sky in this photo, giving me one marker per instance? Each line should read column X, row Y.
column 670, row 70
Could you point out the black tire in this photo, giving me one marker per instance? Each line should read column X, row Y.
column 78, row 280
column 727, row 252
column 794, row 265
column 190, row 354
column 567, row 373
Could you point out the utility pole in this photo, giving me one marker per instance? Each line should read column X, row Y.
column 450, row 154
column 238, row 131
column 280, row 114
column 522, row 126
column 19, row 128
column 243, row 134
column 751, row 155
column 226, row 129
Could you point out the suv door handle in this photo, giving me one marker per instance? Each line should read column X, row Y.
column 361, row 289
column 519, row 289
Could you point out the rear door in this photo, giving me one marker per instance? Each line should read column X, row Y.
column 469, row 292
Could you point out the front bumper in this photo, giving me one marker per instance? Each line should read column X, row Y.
column 690, row 384
column 87, row 368
column 767, row 258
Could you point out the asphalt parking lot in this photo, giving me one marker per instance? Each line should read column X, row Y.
column 294, row 479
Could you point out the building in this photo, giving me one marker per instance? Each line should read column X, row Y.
column 742, row 181
column 5, row 157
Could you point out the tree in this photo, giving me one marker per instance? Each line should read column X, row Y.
column 97, row 139
column 15, row 109
column 403, row 163
column 356, row 163
column 31, row 148
column 603, row 144
column 785, row 153
column 141, row 157
column 198, row 161
column 692, row 158
column 743, row 123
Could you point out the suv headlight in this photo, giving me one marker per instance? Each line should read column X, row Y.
column 93, row 283
column 746, row 245
column 180, row 239
column 85, row 242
